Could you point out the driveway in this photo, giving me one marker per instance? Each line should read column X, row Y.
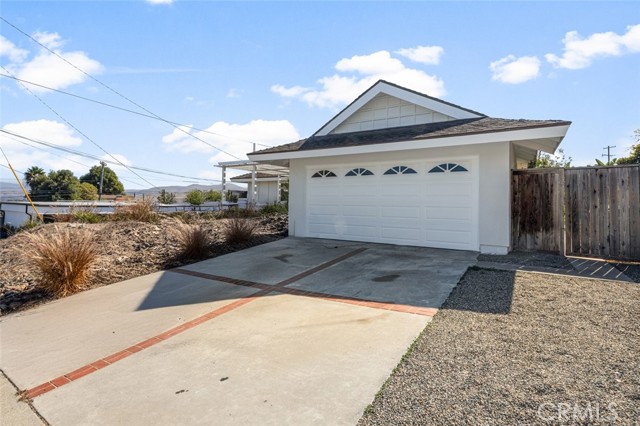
column 299, row 331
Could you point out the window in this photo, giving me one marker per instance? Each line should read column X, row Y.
column 400, row 170
column 448, row 167
column 323, row 174
column 359, row 172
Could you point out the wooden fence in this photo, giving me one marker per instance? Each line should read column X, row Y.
column 580, row 211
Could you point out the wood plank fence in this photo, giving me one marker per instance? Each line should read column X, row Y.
column 580, row 211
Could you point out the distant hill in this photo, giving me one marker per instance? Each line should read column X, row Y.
column 180, row 191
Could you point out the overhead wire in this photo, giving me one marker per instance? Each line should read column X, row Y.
column 95, row 157
column 130, row 110
column 113, row 90
column 78, row 130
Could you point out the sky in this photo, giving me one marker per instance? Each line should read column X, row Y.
column 230, row 74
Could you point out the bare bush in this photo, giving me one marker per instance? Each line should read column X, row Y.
column 239, row 230
column 141, row 211
column 194, row 242
column 64, row 259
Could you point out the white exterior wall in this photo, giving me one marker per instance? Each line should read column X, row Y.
column 494, row 186
column 267, row 192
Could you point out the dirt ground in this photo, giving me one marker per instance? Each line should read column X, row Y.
column 127, row 249
column 521, row 349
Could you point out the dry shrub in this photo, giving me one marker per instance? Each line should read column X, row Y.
column 141, row 211
column 239, row 230
column 194, row 242
column 63, row 259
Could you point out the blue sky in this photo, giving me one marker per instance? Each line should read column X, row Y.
column 274, row 72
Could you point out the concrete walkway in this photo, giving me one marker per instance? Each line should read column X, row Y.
column 298, row 331
column 578, row 267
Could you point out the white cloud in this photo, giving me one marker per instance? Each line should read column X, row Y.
column 339, row 89
column 579, row 52
column 429, row 55
column 159, row 1
column 23, row 156
column 45, row 67
column 514, row 70
column 11, row 51
column 266, row 132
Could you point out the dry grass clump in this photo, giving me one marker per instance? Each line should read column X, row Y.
column 194, row 242
column 63, row 259
column 142, row 211
column 239, row 230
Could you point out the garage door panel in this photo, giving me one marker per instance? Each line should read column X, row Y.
column 407, row 234
column 448, row 225
column 400, row 211
column 320, row 190
column 448, row 201
column 360, row 231
column 360, row 210
column 324, row 209
column 456, row 237
column 358, row 190
column 459, row 189
column 324, row 229
column 399, row 187
column 449, row 212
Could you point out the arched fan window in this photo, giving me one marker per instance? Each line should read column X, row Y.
column 323, row 174
column 448, row 167
column 359, row 172
column 400, row 170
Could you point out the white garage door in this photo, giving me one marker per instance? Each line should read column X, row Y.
column 430, row 204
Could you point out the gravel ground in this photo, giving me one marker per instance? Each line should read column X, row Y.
column 126, row 250
column 526, row 258
column 520, row 349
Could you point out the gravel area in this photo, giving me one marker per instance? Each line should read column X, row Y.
column 126, row 250
column 521, row 349
column 526, row 258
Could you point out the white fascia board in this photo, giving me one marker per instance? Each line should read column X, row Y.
column 399, row 93
column 483, row 138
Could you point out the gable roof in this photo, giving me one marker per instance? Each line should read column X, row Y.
column 471, row 126
column 396, row 91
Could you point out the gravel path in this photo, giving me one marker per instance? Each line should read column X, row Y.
column 521, row 348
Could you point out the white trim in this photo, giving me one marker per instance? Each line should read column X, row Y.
column 397, row 92
column 512, row 135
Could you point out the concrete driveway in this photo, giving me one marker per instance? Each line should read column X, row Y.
column 299, row 331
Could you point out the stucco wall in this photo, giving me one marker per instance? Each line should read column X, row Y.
column 494, row 187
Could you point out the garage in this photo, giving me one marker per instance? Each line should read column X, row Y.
column 401, row 167
column 430, row 204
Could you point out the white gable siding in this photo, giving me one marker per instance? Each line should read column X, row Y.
column 384, row 111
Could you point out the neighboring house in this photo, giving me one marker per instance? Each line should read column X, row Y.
column 397, row 166
column 266, row 187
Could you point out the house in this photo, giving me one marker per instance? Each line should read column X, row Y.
column 401, row 167
column 267, row 186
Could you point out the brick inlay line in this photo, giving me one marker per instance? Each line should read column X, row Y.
column 265, row 289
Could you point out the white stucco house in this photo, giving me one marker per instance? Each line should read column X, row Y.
column 264, row 185
column 401, row 167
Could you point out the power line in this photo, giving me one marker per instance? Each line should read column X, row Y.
column 129, row 110
column 76, row 129
column 113, row 90
column 95, row 157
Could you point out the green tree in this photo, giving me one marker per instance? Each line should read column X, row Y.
column 634, row 154
column 545, row 161
column 85, row 191
column 212, row 195
column 111, row 183
column 166, row 197
column 63, row 185
column 38, row 183
column 195, row 197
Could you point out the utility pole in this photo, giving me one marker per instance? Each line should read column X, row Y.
column 103, row 164
column 608, row 154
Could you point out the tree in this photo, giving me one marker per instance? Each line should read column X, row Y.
column 166, row 197
column 212, row 195
column 195, row 197
column 85, row 191
column 545, row 161
column 111, row 183
column 634, row 154
column 38, row 182
column 62, row 185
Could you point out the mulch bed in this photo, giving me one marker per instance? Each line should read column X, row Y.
column 127, row 249
column 519, row 349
